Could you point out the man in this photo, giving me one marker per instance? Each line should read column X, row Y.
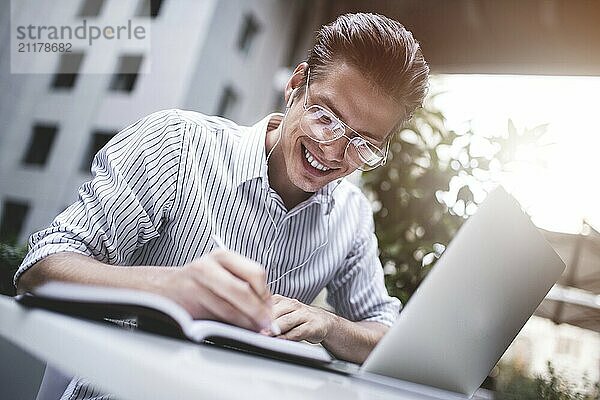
column 169, row 187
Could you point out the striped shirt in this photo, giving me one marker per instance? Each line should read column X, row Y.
column 162, row 186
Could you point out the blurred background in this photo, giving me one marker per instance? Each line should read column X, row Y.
column 512, row 102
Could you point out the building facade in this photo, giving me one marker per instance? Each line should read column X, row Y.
column 217, row 57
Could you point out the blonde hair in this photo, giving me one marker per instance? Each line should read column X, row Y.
column 380, row 48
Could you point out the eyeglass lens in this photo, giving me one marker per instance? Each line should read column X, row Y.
column 322, row 126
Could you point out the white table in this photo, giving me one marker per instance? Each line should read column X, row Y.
column 138, row 365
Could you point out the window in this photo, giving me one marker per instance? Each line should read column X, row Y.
column 68, row 69
column 250, row 29
column 127, row 73
column 566, row 345
column 13, row 217
column 149, row 8
column 97, row 141
column 40, row 145
column 227, row 103
column 91, row 8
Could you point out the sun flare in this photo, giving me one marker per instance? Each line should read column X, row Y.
column 566, row 189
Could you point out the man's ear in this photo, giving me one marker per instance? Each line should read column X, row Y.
column 294, row 82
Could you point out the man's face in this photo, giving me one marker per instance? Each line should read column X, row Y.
column 345, row 92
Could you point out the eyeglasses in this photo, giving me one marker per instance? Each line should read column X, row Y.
column 323, row 126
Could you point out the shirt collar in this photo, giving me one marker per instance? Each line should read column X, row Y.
column 251, row 158
column 251, row 162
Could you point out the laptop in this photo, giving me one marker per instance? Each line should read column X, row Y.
column 462, row 318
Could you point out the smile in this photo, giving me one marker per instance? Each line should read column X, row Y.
column 313, row 162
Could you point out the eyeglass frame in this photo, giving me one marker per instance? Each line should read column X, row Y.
column 306, row 107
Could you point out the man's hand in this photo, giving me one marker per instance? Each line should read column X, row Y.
column 221, row 285
column 298, row 321
column 347, row 340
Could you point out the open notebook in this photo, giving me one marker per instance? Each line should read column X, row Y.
column 161, row 315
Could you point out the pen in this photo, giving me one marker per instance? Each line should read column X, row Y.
column 274, row 327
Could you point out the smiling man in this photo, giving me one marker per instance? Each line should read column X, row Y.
column 167, row 188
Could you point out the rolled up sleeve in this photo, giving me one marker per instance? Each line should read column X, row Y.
column 123, row 206
column 358, row 291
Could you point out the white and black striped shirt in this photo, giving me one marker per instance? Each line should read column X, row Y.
column 164, row 184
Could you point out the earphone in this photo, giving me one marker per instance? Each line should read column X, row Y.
column 291, row 99
column 276, row 275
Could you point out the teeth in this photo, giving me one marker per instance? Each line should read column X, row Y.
column 312, row 161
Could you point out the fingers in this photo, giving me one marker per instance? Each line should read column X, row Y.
column 217, row 308
column 297, row 334
column 288, row 313
column 283, row 305
column 235, row 294
column 245, row 269
column 298, row 321
column 289, row 321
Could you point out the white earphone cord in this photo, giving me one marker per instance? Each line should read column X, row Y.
column 272, row 219
column 270, row 248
